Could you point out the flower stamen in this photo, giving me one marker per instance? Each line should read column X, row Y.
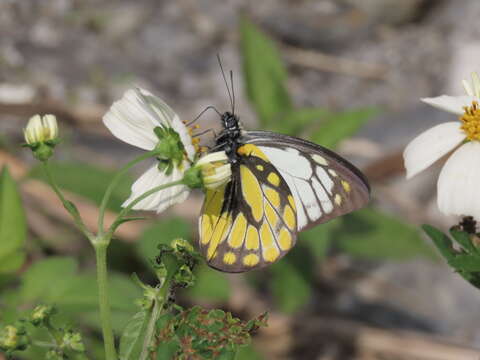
column 471, row 121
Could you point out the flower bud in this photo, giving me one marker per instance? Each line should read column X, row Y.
column 73, row 340
column 41, row 135
column 41, row 129
column 215, row 169
column 41, row 314
column 12, row 338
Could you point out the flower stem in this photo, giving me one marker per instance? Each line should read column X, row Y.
column 129, row 207
column 100, row 244
column 114, row 183
column 68, row 205
column 150, row 331
column 104, row 302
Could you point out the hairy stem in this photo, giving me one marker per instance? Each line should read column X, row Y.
column 66, row 204
column 156, row 312
column 161, row 297
column 128, row 208
column 103, row 298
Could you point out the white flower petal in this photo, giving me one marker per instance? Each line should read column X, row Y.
column 131, row 120
column 452, row 104
column 166, row 116
column 161, row 199
column 431, row 145
column 458, row 182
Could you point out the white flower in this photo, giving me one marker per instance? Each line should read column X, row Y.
column 143, row 120
column 216, row 170
column 459, row 178
column 40, row 129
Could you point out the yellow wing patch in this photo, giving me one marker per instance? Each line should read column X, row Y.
column 237, row 236
column 251, row 222
column 251, row 192
column 252, row 241
column 252, row 150
column 211, row 213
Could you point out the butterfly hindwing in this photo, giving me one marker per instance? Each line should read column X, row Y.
column 251, row 222
column 323, row 184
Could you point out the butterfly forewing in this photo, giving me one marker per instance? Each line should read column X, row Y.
column 252, row 221
column 323, row 184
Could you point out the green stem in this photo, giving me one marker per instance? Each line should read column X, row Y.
column 104, row 302
column 101, row 244
column 159, row 302
column 150, row 331
column 54, row 333
column 66, row 204
column 129, row 207
column 114, row 183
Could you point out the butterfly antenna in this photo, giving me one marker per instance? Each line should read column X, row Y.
column 233, row 92
column 210, row 107
column 225, row 80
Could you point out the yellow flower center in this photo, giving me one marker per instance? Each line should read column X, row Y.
column 471, row 121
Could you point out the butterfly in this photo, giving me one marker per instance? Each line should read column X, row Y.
column 280, row 185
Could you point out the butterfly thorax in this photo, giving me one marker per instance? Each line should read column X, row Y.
column 228, row 139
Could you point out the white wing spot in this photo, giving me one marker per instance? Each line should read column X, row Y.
column 289, row 161
column 320, row 160
column 338, row 199
column 325, row 201
column 326, row 181
column 308, row 199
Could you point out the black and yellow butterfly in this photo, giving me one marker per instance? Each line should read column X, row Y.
column 280, row 185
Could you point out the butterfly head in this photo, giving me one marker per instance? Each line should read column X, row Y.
column 230, row 122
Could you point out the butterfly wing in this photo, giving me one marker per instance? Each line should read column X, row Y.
column 323, row 184
column 251, row 222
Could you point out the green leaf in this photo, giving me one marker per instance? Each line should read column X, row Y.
column 227, row 355
column 161, row 233
column 339, row 126
column 13, row 262
column 463, row 239
column 248, row 353
column 209, row 285
column 370, row 233
column 294, row 122
column 441, row 241
column 13, row 227
column 292, row 280
column 132, row 338
column 167, row 350
column 466, row 263
column 48, row 279
column 55, row 281
column 318, row 239
column 265, row 74
column 87, row 180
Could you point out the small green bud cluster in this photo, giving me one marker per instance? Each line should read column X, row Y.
column 17, row 337
column 13, row 338
column 41, row 314
column 41, row 136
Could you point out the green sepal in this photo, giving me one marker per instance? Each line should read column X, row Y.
column 192, row 177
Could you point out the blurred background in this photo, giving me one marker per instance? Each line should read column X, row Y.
column 347, row 74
